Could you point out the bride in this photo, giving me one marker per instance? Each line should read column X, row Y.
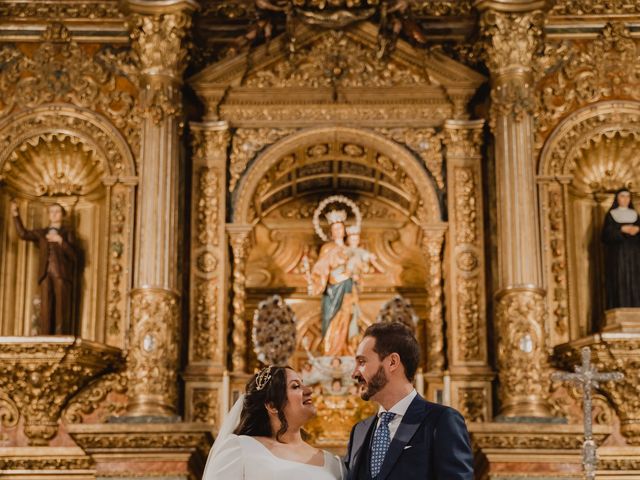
column 261, row 438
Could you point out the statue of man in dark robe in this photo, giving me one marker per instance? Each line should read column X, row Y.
column 621, row 238
column 56, row 268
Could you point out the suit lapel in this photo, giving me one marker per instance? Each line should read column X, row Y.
column 411, row 421
column 359, row 440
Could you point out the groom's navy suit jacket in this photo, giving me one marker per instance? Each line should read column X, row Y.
column 431, row 443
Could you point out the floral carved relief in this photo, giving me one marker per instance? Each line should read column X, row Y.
column 60, row 70
column 152, row 360
column 522, row 355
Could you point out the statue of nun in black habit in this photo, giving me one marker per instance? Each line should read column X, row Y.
column 621, row 239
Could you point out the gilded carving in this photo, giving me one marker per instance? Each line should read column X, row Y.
column 50, row 464
column 41, row 377
column 48, row 10
column 466, row 207
column 210, row 150
column 205, row 405
column 336, row 60
column 90, row 126
column 432, row 243
column 247, row 142
column 9, row 414
column 532, row 441
column 152, row 360
column 589, row 72
column 472, row 401
column 470, row 325
column 595, row 7
column 207, row 209
column 54, row 164
column 157, row 43
column 424, row 142
column 375, row 114
column 61, row 71
column 616, row 352
column 240, row 240
column 511, row 41
column 522, row 355
column 90, row 397
column 206, row 319
column 559, row 293
column 118, row 249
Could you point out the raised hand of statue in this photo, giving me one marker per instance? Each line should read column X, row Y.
column 14, row 209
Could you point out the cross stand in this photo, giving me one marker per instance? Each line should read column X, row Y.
column 587, row 378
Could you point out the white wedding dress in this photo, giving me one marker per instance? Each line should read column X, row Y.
column 241, row 457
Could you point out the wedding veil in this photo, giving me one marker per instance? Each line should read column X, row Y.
column 227, row 428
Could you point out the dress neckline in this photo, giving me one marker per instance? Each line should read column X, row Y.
column 324, row 455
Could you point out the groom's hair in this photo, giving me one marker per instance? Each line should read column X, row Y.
column 396, row 337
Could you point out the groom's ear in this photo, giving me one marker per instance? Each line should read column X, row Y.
column 394, row 362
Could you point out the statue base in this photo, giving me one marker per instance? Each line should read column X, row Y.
column 624, row 320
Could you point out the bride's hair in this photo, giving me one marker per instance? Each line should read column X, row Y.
column 254, row 420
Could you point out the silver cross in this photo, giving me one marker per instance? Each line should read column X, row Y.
column 587, row 378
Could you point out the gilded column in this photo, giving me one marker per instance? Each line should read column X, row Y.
column 157, row 32
column 512, row 31
column 240, row 240
column 208, row 272
column 467, row 325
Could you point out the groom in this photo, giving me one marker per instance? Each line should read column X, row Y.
column 410, row 438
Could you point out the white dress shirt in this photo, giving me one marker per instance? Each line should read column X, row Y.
column 400, row 408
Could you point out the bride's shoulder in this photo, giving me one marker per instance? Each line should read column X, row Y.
column 333, row 463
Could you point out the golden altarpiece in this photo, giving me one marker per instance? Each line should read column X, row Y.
column 190, row 144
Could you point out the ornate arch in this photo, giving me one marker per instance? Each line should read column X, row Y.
column 574, row 180
column 599, row 120
column 91, row 128
column 105, row 161
column 242, row 198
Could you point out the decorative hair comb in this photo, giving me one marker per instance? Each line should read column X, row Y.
column 263, row 378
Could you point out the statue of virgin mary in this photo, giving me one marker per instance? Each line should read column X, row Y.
column 621, row 239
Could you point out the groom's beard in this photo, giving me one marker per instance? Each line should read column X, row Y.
column 377, row 383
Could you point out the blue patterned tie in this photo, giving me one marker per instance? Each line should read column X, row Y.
column 381, row 441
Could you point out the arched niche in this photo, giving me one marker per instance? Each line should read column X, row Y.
column 74, row 157
column 281, row 189
column 587, row 157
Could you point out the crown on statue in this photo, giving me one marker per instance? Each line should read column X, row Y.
column 353, row 230
column 335, row 216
